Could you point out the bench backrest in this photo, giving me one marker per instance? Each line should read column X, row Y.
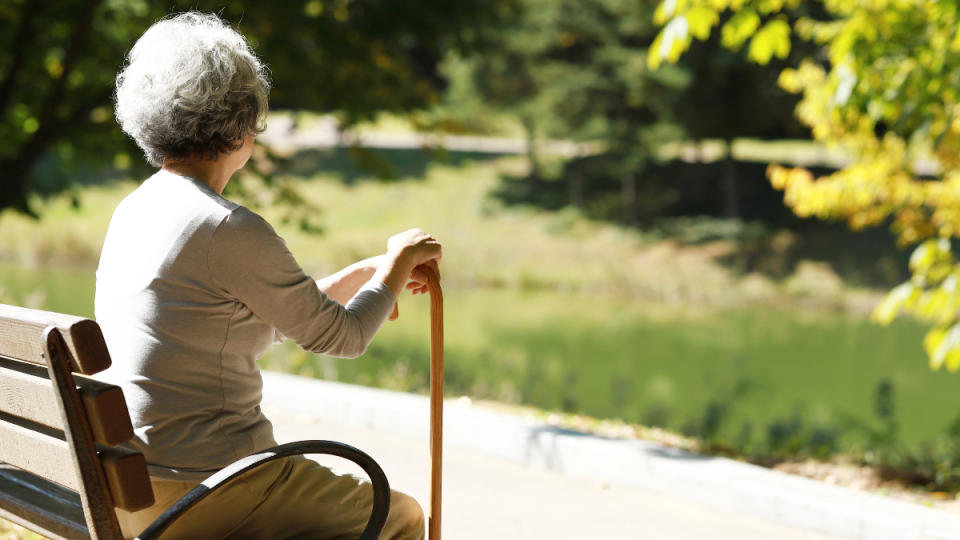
column 62, row 472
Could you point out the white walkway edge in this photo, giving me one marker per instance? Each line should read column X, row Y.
column 718, row 482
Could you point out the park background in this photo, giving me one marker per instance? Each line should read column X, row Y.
column 618, row 255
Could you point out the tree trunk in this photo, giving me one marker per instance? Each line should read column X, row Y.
column 575, row 180
column 529, row 129
column 19, row 50
column 13, row 189
column 729, row 184
column 17, row 168
column 629, row 196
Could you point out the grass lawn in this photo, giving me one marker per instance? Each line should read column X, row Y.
column 554, row 311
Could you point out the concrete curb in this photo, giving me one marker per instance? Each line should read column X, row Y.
column 718, row 482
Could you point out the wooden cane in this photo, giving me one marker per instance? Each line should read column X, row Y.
column 436, row 400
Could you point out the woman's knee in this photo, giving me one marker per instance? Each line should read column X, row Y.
column 405, row 520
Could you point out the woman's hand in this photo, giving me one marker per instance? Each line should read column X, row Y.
column 406, row 252
column 414, row 247
column 417, row 283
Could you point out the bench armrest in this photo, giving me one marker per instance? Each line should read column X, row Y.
column 381, row 488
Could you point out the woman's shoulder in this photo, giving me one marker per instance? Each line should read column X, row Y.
column 167, row 191
column 241, row 220
column 242, row 228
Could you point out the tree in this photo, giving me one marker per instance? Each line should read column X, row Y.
column 509, row 78
column 731, row 98
column 575, row 69
column 884, row 89
column 610, row 95
column 58, row 61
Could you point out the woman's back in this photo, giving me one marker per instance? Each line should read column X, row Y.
column 184, row 350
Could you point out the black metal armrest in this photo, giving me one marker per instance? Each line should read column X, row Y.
column 381, row 488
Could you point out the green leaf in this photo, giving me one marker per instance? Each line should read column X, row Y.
column 31, row 125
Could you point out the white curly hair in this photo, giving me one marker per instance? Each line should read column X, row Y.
column 192, row 87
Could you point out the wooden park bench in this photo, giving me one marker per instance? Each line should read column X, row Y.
column 63, row 466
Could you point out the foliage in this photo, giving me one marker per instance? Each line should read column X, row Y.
column 575, row 70
column 884, row 90
column 566, row 314
column 58, row 61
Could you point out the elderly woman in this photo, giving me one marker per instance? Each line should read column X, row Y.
column 192, row 288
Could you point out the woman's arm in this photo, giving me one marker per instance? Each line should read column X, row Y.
column 344, row 284
column 250, row 263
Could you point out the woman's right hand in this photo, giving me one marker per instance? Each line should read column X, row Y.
column 413, row 247
column 405, row 252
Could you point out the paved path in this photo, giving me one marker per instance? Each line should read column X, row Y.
column 510, row 476
column 487, row 498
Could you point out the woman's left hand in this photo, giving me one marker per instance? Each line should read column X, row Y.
column 417, row 283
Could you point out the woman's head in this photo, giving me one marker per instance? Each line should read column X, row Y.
column 192, row 88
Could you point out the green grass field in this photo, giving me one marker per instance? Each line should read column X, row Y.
column 554, row 311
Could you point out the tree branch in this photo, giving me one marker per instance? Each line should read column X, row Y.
column 18, row 45
column 77, row 39
column 17, row 169
column 13, row 190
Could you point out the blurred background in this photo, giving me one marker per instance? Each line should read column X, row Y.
column 618, row 251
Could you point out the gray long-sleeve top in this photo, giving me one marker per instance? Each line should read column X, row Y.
column 191, row 290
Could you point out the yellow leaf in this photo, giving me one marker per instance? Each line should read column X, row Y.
column 953, row 360
column 955, row 44
column 772, row 39
column 653, row 53
column 701, row 19
column 739, row 28
column 665, row 10
column 948, row 350
column 922, row 258
column 672, row 41
column 932, row 303
column 888, row 308
column 931, row 342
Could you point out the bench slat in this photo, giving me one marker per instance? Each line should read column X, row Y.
column 126, row 473
column 49, row 457
column 33, row 398
column 40, row 505
column 39, row 453
column 107, row 410
column 21, row 337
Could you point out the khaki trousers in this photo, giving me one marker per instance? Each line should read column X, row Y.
column 288, row 498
